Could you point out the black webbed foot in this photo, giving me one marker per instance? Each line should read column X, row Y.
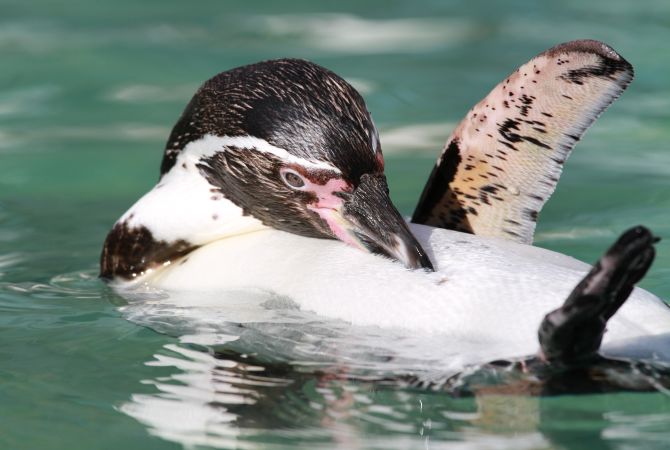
column 573, row 333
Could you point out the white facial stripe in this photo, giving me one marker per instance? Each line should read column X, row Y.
column 183, row 206
column 209, row 145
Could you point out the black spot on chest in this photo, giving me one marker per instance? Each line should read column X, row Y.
column 130, row 252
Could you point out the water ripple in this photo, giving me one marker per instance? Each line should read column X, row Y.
column 79, row 285
column 224, row 402
column 146, row 93
column 353, row 34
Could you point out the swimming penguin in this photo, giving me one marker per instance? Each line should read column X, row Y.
column 273, row 167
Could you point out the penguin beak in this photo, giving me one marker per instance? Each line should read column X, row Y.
column 373, row 222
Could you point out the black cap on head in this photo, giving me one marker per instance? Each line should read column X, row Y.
column 292, row 104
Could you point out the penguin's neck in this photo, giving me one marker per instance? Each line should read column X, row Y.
column 181, row 213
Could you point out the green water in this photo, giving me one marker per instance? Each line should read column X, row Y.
column 88, row 92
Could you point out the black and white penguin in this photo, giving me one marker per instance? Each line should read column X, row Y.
column 268, row 159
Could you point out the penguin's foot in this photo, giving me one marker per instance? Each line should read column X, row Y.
column 572, row 334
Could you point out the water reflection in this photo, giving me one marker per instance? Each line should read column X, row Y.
column 223, row 399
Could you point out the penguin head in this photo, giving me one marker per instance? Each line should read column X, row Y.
column 293, row 145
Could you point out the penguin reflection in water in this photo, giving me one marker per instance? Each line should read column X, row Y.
column 268, row 155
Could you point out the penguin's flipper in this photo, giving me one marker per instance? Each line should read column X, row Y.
column 502, row 162
column 572, row 334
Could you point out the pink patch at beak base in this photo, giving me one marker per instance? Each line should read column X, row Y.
column 325, row 193
column 329, row 207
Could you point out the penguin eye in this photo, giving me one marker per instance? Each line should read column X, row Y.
column 292, row 179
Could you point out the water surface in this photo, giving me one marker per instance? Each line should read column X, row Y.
column 88, row 93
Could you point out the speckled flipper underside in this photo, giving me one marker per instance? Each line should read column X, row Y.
column 502, row 162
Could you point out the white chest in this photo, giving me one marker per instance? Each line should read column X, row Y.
column 487, row 294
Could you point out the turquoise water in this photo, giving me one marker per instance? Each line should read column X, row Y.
column 88, row 93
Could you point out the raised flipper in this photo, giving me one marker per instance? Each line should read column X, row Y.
column 573, row 333
column 502, row 162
